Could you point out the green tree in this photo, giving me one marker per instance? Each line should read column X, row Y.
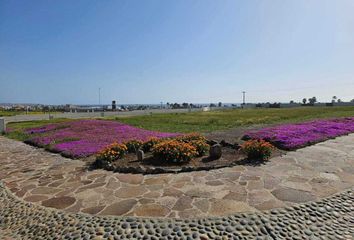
column 312, row 100
column 334, row 98
column 185, row 105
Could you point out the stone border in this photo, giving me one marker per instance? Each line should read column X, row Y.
column 160, row 170
column 329, row 218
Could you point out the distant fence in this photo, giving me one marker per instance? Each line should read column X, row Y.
column 77, row 115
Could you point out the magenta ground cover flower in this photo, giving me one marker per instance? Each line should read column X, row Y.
column 83, row 138
column 293, row 136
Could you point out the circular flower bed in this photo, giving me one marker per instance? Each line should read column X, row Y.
column 171, row 155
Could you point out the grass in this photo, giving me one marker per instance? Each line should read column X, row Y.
column 10, row 113
column 14, row 113
column 207, row 121
column 17, row 128
column 227, row 119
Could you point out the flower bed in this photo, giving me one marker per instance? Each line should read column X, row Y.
column 83, row 138
column 294, row 136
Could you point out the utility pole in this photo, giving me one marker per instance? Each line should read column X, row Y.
column 100, row 107
column 243, row 98
column 99, row 96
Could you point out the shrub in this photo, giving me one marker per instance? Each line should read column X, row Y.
column 133, row 145
column 148, row 145
column 174, row 151
column 112, row 152
column 196, row 140
column 202, row 147
column 257, row 149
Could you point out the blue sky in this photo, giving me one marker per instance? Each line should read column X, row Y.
column 59, row 52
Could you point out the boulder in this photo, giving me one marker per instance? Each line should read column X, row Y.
column 226, row 144
column 215, row 151
column 140, row 155
column 212, row 142
column 104, row 164
column 236, row 146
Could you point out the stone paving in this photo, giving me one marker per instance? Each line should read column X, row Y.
column 50, row 180
column 330, row 218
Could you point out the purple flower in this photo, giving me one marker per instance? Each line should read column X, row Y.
column 293, row 136
column 83, row 138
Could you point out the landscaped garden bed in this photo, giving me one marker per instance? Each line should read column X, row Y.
column 82, row 138
column 191, row 152
column 115, row 146
column 294, row 136
column 150, row 165
column 163, row 152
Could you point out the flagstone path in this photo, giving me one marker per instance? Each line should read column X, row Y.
column 53, row 181
column 329, row 218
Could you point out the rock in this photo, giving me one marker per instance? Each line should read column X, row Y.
column 119, row 208
column 236, row 146
column 59, row 202
column 215, row 151
column 226, row 144
column 165, row 232
column 140, row 155
column 108, row 166
column 130, row 192
column 130, row 178
column 104, row 164
column 183, row 203
column 212, row 142
column 293, row 195
column 225, row 206
column 151, row 210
